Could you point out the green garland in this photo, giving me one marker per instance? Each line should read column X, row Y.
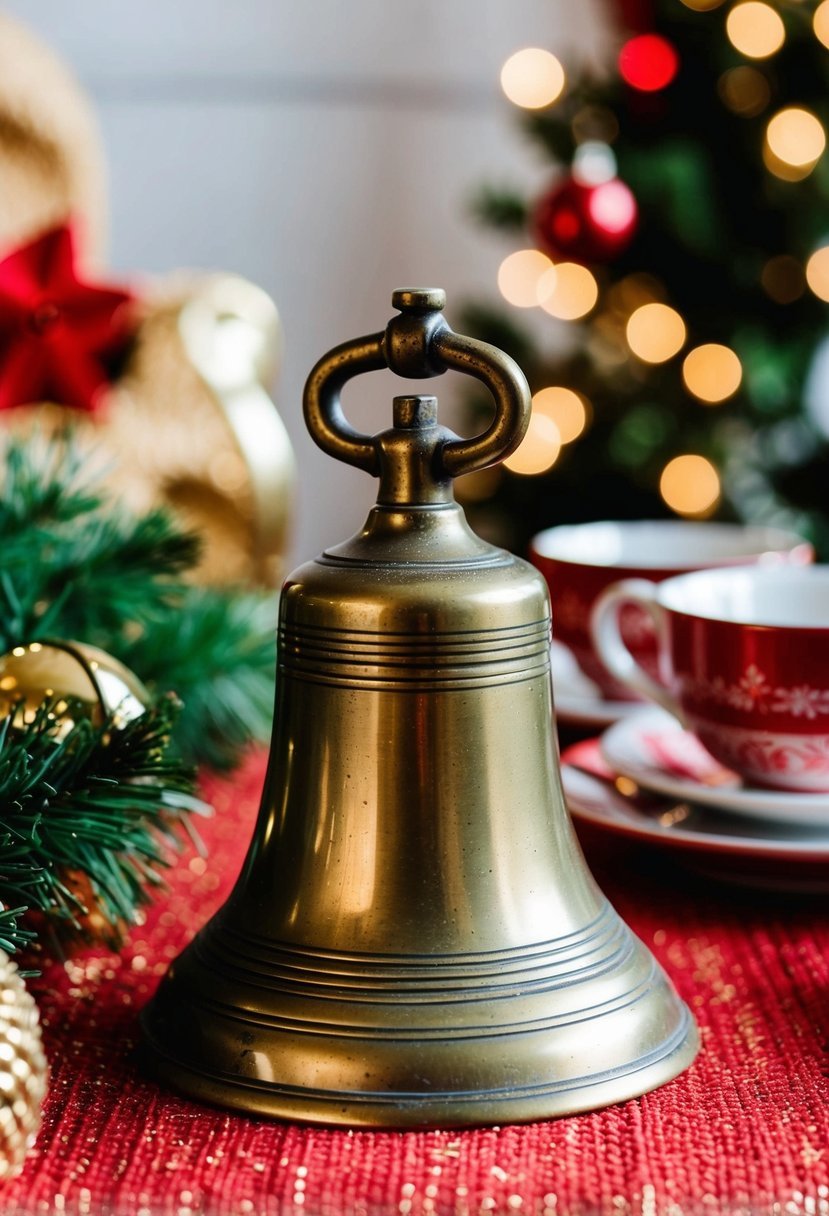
column 77, row 565
column 91, row 814
column 111, row 804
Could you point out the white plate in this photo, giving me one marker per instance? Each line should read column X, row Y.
column 626, row 748
column 597, row 714
column 578, row 700
column 764, row 855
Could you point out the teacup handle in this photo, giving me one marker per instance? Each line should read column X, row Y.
column 605, row 627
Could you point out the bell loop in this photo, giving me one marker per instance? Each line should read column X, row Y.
column 418, row 344
column 409, row 344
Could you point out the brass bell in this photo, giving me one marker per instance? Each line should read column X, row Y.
column 415, row 939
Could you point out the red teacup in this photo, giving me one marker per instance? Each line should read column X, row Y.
column 579, row 561
column 744, row 664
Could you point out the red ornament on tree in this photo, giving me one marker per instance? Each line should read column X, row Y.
column 58, row 335
column 648, row 62
column 585, row 223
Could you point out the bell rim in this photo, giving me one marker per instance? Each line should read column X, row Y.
column 407, row 1111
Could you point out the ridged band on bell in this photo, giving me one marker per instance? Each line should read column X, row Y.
column 349, row 658
column 415, row 938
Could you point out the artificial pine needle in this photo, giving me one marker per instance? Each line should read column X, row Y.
column 108, row 812
column 80, row 567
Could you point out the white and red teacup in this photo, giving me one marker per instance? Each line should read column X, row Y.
column 580, row 560
column 743, row 663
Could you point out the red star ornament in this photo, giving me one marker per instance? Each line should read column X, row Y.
column 58, row 335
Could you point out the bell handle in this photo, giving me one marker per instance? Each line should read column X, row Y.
column 322, row 403
column 507, row 383
column 418, row 344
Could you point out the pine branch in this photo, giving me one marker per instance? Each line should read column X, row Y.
column 504, row 209
column 218, row 652
column 109, row 804
column 76, row 566
column 42, row 485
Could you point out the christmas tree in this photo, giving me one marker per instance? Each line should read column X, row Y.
column 677, row 270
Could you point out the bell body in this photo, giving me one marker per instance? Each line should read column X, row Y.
column 415, row 939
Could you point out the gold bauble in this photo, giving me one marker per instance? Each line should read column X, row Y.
column 76, row 682
column 63, row 673
column 23, row 1071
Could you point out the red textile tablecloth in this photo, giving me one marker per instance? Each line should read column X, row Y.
column 745, row 1130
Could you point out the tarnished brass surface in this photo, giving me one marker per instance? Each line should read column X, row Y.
column 415, row 938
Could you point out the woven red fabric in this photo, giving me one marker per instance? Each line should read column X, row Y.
column 745, row 1130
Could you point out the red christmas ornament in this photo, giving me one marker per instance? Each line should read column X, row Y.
column 57, row 334
column 648, row 62
column 583, row 223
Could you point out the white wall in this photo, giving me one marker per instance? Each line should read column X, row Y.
column 325, row 149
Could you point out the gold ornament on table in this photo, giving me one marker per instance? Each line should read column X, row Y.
column 23, row 1069
column 415, row 939
column 187, row 419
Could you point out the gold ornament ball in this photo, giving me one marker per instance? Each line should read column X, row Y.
column 23, row 1070
column 95, row 684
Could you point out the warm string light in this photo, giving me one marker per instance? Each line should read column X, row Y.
column 559, row 415
column 529, row 279
column 745, row 91
column 567, row 408
column 655, row 332
column 690, row 485
column 820, row 23
column 817, row 273
column 712, row 372
column 567, row 291
column 520, row 277
column 782, row 279
column 755, row 29
column 538, row 450
column 532, row 78
column 703, row 6
column 795, row 141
